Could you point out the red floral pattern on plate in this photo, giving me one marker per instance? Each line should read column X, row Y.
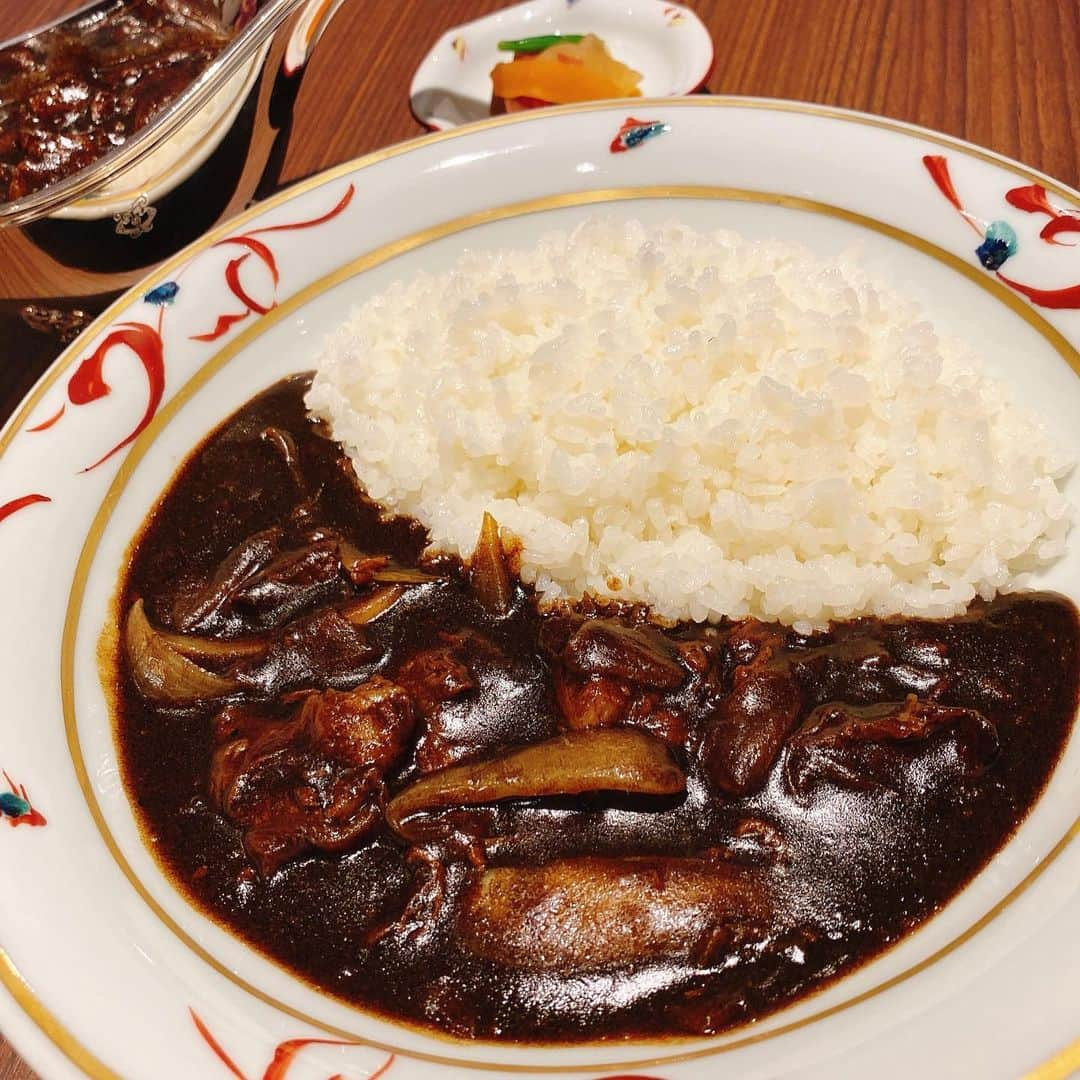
column 284, row 1054
column 287, row 1051
column 1031, row 199
column 263, row 254
column 13, row 506
column 16, row 807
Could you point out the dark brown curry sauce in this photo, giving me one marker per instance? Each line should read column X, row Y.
column 70, row 94
column 839, row 787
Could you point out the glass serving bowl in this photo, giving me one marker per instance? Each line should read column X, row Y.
column 69, row 248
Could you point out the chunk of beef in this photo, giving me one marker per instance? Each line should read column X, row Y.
column 313, row 779
column 701, row 653
column 607, row 674
column 360, row 567
column 435, row 676
column 319, row 650
column 749, row 641
column 986, row 679
column 639, row 655
column 859, row 747
column 593, row 702
column 665, row 722
column 604, row 702
column 364, row 727
column 292, row 582
column 748, row 730
column 438, row 679
column 863, row 670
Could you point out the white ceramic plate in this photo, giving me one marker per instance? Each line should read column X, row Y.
column 107, row 969
column 666, row 42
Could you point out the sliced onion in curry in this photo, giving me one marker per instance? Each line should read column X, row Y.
column 488, row 570
column 285, row 445
column 161, row 664
column 241, row 563
column 617, row 760
column 368, row 608
column 359, row 565
column 404, row 575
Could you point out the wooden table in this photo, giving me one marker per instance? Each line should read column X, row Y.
column 1003, row 73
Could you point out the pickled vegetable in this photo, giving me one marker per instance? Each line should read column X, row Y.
column 565, row 72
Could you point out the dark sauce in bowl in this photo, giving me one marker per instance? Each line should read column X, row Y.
column 839, row 787
column 70, row 94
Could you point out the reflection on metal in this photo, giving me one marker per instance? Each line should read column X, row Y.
column 64, row 324
column 308, row 27
column 137, row 219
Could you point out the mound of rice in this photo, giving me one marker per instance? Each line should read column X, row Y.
column 711, row 425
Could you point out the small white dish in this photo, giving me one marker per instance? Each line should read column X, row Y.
column 666, row 42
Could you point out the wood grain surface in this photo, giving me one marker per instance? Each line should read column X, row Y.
column 1002, row 73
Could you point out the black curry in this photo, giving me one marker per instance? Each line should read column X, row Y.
column 398, row 777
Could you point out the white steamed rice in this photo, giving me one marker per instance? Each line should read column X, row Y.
column 711, row 425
